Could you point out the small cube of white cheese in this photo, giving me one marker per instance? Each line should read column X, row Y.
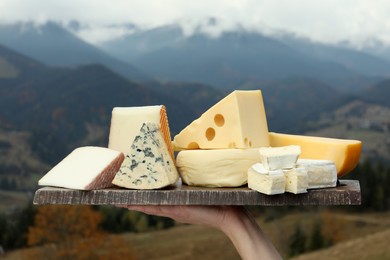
column 321, row 173
column 264, row 181
column 276, row 158
column 296, row 180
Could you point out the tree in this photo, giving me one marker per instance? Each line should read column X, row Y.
column 3, row 229
column 332, row 228
column 116, row 219
column 4, row 184
column 316, row 238
column 53, row 223
column 297, row 242
column 76, row 234
column 75, row 229
column 14, row 234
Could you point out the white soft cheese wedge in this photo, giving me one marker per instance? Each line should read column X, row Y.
column 216, row 168
column 127, row 121
column 148, row 163
column 275, row 158
column 265, row 181
column 321, row 173
column 86, row 168
column 237, row 121
column 296, row 180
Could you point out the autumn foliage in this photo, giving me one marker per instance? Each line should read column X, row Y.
column 74, row 232
column 53, row 224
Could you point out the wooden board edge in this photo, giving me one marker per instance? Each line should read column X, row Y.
column 347, row 193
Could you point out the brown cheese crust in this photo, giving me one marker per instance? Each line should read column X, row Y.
column 104, row 179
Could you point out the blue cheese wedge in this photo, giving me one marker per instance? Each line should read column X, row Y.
column 148, row 164
column 265, row 181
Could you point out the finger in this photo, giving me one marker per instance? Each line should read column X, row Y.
column 121, row 206
column 151, row 210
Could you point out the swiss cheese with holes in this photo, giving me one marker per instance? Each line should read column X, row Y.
column 237, row 121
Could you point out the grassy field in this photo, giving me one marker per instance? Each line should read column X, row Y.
column 359, row 236
column 368, row 247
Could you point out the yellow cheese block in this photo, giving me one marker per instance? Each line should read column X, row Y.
column 344, row 153
column 237, row 121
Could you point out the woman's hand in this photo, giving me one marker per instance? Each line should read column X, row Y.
column 212, row 216
column 235, row 221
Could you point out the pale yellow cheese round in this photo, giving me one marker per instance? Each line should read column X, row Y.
column 216, row 168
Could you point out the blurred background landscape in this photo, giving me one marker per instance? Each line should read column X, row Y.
column 62, row 70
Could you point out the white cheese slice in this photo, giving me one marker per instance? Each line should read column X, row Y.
column 148, row 163
column 296, row 180
column 85, row 168
column 259, row 179
column 275, row 158
column 216, row 168
column 321, row 173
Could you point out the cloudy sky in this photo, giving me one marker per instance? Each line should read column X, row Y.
column 358, row 21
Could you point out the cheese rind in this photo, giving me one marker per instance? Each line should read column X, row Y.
column 237, row 121
column 85, row 168
column 261, row 180
column 127, row 121
column 296, row 180
column 344, row 153
column 148, row 163
column 321, row 173
column 276, row 158
column 216, row 168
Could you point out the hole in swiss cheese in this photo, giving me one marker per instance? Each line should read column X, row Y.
column 219, row 120
column 210, row 133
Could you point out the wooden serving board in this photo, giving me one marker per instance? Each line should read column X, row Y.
column 346, row 193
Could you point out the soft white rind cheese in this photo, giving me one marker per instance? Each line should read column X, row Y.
column 216, row 168
column 148, row 163
column 321, row 173
column 266, row 183
column 296, row 180
column 85, row 168
column 275, row 158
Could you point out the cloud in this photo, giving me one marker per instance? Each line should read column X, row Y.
column 326, row 21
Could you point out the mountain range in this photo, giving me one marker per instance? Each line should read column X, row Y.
column 232, row 60
column 53, row 45
column 46, row 110
column 48, row 102
column 239, row 57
